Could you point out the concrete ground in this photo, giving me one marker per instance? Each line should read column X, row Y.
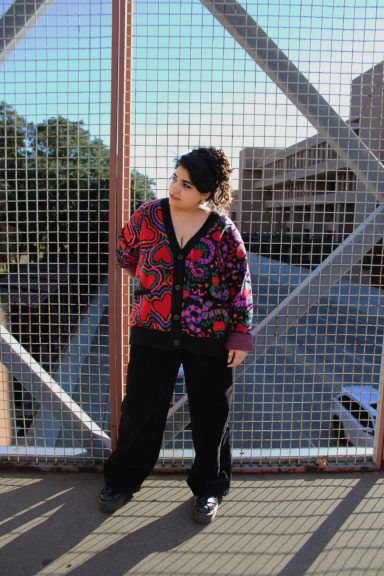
column 285, row 525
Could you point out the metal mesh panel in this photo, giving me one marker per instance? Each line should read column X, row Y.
column 284, row 88
column 54, row 181
column 292, row 91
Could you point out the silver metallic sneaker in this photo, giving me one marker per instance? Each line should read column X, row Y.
column 205, row 508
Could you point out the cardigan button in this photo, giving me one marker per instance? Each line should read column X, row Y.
column 180, row 257
column 178, row 287
column 176, row 317
column 176, row 342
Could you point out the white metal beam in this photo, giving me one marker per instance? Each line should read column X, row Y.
column 14, row 23
column 318, row 283
column 46, row 428
column 47, row 392
column 348, row 146
column 369, row 171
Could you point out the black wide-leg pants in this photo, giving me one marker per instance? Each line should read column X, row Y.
column 150, row 383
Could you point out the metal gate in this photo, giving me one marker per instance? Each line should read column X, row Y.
column 293, row 92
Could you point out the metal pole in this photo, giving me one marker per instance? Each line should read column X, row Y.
column 124, row 155
column 115, row 200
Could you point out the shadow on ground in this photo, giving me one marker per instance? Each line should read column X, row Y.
column 281, row 525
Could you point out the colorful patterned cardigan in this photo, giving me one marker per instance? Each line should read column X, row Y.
column 197, row 298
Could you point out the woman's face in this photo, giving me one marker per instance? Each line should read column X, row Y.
column 182, row 193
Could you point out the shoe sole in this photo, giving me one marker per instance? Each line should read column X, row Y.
column 110, row 507
column 204, row 518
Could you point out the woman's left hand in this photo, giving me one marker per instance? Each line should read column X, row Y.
column 235, row 357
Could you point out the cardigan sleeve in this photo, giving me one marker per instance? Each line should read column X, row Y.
column 238, row 279
column 128, row 246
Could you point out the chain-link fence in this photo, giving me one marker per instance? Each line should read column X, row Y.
column 292, row 90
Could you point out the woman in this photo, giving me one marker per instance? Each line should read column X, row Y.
column 192, row 306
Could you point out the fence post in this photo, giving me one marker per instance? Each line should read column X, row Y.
column 115, row 195
column 378, row 453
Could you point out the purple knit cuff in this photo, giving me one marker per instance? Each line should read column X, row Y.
column 239, row 341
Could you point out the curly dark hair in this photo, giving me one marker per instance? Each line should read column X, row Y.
column 210, row 171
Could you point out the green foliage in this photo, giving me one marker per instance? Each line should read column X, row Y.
column 141, row 189
column 54, row 188
column 13, row 137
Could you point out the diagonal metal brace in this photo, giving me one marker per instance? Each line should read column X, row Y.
column 47, row 392
column 348, row 146
column 359, row 159
column 328, row 273
column 16, row 20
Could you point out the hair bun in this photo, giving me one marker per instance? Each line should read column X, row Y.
column 210, row 171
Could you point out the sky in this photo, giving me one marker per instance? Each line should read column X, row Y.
column 191, row 83
column 63, row 65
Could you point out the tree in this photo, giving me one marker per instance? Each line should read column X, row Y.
column 13, row 156
column 54, row 199
column 141, row 189
column 54, row 190
column 66, row 202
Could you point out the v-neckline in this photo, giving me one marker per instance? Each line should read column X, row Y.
column 176, row 248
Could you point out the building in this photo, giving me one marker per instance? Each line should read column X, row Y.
column 305, row 192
